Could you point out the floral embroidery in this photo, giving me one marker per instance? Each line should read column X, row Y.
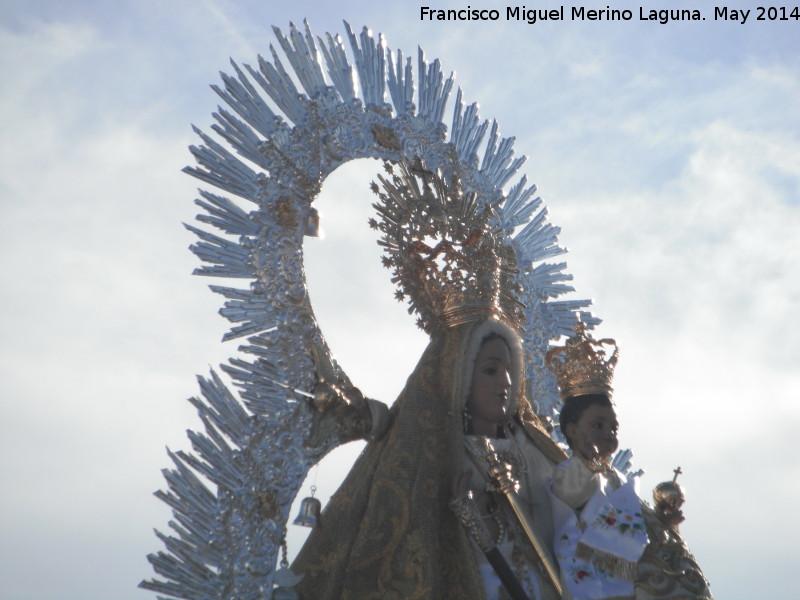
column 623, row 522
column 578, row 572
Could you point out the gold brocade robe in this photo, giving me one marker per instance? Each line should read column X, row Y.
column 388, row 532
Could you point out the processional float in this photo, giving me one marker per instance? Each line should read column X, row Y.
column 274, row 146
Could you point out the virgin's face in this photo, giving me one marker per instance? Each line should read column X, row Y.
column 491, row 380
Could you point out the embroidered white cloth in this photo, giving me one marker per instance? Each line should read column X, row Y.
column 615, row 524
column 597, row 545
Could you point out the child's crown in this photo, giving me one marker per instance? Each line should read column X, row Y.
column 580, row 366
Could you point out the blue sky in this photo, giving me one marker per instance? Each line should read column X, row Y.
column 668, row 154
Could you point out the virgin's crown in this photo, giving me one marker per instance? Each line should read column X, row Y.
column 581, row 366
column 446, row 255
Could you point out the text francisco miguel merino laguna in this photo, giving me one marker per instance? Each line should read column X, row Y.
column 577, row 13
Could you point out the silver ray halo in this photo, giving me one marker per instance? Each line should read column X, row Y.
column 275, row 144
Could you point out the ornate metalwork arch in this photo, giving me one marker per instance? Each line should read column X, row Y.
column 275, row 144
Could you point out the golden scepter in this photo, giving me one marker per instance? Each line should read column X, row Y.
column 501, row 481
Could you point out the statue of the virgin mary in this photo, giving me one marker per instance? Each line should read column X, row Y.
column 389, row 531
column 448, row 499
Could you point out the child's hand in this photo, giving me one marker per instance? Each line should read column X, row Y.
column 591, row 455
column 588, row 449
column 672, row 516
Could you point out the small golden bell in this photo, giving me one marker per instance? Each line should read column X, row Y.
column 313, row 227
column 310, row 509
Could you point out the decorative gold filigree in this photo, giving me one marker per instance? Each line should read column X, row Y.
column 444, row 251
column 667, row 570
column 386, row 137
column 580, row 366
column 286, row 214
column 267, row 505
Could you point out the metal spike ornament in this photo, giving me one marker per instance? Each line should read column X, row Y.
column 274, row 144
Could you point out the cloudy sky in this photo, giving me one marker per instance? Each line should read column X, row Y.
column 669, row 154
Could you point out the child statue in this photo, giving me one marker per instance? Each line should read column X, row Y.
column 600, row 530
column 608, row 542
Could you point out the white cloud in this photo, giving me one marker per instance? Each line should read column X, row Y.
column 349, row 287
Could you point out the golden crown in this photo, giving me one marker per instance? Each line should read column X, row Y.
column 445, row 253
column 580, row 366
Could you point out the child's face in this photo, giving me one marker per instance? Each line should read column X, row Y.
column 595, row 433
